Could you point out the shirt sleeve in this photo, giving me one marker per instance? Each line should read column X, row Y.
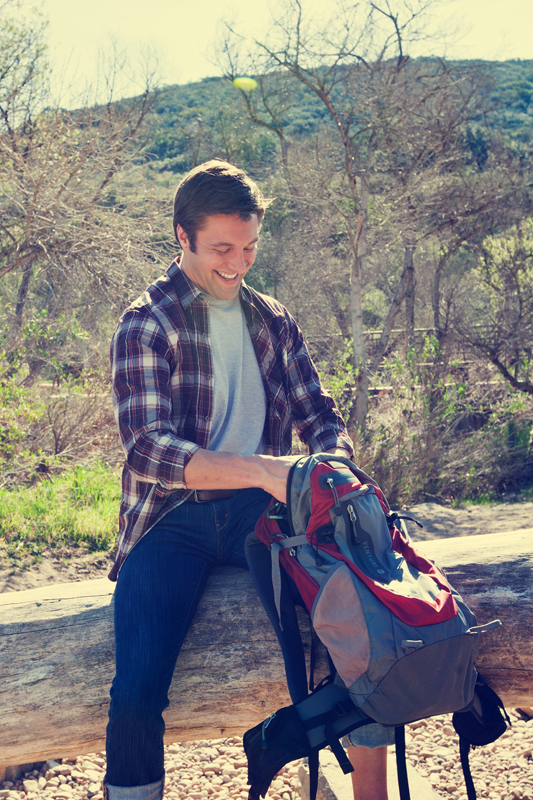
column 316, row 418
column 141, row 374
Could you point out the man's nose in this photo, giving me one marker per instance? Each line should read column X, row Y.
column 238, row 262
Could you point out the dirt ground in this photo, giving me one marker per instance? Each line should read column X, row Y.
column 442, row 521
column 69, row 565
column 62, row 566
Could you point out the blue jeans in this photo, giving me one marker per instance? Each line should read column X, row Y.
column 157, row 593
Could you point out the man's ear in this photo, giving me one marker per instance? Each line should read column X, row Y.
column 183, row 239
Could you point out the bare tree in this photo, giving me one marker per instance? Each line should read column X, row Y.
column 397, row 128
column 67, row 224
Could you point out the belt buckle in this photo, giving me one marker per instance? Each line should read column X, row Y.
column 195, row 496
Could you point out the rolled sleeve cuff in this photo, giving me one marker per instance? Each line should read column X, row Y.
column 162, row 461
column 320, row 442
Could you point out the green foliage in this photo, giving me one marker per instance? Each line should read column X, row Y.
column 340, row 383
column 47, row 339
column 513, row 95
column 18, row 414
column 478, row 144
column 46, row 424
column 507, row 261
column 501, row 302
column 432, row 433
column 79, row 507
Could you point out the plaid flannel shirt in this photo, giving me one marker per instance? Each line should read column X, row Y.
column 163, row 394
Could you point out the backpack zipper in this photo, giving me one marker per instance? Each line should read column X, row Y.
column 338, row 510
column 264, row 726
column 353, row 519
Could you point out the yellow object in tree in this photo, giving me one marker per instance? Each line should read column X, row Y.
column 245, row 84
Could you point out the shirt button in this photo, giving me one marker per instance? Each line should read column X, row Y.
column 206, row 419
column 204, row 335
column 209, row 377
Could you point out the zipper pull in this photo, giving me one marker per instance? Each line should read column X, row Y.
column 266, row 723
column 330, row 482
column 353, row 518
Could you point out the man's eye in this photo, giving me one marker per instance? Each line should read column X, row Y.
column 222, row 252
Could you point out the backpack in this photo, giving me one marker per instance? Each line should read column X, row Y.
column 400, row 639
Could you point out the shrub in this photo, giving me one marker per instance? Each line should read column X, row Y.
column 440, row 429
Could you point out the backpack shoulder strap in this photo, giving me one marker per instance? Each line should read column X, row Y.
column 464, row 751
column 401, row 763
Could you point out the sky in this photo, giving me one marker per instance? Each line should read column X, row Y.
column 183, row 33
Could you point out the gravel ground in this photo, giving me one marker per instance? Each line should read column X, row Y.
column 214, row 770
column 502, row 770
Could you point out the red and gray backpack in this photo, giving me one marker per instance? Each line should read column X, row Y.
column 400, row 638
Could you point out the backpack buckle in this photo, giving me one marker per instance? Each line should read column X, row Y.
column 343, row 707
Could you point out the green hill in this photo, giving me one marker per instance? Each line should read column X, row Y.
column 199, row 120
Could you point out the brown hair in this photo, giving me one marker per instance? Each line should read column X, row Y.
column 215, row 187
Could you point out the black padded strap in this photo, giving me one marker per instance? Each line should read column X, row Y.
column 401, row 764
column 312, row 659
column 340, row 709
column 338, row 750
column 464, row 750
column 313, row 775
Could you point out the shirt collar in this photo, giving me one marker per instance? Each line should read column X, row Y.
column 186, row 290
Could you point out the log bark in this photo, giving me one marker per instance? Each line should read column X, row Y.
column 56, row 657
column 494, row 574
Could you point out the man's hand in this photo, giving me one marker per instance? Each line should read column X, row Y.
column 276, row 473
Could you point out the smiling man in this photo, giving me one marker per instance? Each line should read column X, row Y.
column 209, row 379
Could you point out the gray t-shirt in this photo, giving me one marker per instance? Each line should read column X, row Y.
column 239, row 406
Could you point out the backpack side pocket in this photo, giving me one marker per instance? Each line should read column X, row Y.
column 339, row 621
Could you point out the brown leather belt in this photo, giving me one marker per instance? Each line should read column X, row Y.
column 210, row 495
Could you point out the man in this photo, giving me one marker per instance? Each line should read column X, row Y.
column 209, row 378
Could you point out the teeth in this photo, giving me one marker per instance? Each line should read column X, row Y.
column 226, row 275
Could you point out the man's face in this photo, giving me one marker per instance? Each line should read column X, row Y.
column 225, row 251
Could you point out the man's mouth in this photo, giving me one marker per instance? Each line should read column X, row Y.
column 226, row 275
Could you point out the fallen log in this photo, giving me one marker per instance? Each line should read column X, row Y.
column 56, row 658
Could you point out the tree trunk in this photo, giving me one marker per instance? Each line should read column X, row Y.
column 57, row 655
column 409, row 295
column 406, row 277
column 436, row 296
column 27, row 270
column 359, row 410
